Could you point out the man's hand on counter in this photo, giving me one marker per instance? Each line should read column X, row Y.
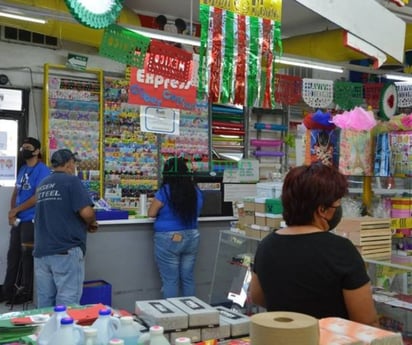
column 93, row 227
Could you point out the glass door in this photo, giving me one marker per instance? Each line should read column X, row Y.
column 8, row 151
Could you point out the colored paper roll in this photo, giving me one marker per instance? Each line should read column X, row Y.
column 271, row 126
column 269, row 153
column 265, row 142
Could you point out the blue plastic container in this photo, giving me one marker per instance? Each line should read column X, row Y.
column 96, row 291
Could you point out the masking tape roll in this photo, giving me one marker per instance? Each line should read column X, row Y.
column 284, row 328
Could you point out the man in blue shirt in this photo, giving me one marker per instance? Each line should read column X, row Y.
column 18, row 283
column 64, row 215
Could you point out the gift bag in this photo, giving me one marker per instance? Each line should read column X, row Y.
column 355, row 153
column 401, row 153
column 322, row 146
column 382, row 155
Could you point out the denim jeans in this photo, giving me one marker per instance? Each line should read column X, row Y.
column 176, row 261
column 59, row 278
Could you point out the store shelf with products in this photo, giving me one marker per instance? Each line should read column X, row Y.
column 228, row 136
column 392, row 284
column 72, row 118
column 267, row 133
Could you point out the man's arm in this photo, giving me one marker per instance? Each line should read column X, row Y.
column 88, row 215
column 14, row 210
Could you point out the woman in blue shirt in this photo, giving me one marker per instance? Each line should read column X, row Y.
column 176, row 206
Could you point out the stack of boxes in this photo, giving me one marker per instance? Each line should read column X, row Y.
column 191, row 317
column 371, row 236
column 260, row 216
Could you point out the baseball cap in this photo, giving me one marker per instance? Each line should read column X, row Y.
column 61, row 157
column 32, row 141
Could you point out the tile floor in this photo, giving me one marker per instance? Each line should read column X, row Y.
column 18, row 307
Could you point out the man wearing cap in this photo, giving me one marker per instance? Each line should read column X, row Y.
column 64, row 215
column 18, row 288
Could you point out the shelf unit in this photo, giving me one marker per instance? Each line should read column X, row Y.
column 72, row 118
column 228, row 136
column 267, row 132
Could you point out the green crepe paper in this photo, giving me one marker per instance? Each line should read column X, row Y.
column 204, row 24
column 252, row 54
column 347, row 94
column 94, row 20
column 120, row 44
column 277, row 43
column 228, row 60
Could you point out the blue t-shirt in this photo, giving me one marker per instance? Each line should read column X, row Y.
column 58, row 226
column 28, row 178
column 167, row 220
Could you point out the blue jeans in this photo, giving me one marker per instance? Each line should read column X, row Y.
column 59, row 278
column 175, row 260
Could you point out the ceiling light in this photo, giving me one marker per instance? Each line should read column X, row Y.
column 309, row 64
column 398, row 77
column 19, row 17
column 165, row 36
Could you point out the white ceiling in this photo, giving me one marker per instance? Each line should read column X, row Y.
column 296, row 19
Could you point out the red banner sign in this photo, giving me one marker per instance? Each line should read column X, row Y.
column 152, row 89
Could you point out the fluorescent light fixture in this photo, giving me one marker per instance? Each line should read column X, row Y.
column 398, row 77
column 19, row 17
column 166, row 36
column 309, row 64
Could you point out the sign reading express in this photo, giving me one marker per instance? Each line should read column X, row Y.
column 152, row 89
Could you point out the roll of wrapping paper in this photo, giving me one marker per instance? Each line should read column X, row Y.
column 269, row 153
column 266, row 142
column 227, row 124
column 227, row 131
column 283, row 328
column 271, row 126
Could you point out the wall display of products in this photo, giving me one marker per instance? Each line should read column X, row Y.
column 193, row 139
column 72, row 119
column 130, row 156
column 228, row 136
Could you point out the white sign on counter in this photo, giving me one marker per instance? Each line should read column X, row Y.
column 238, row 191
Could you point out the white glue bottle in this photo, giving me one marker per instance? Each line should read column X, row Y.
column 117, row 342
column 52, row 325
column 67, row 334
column 107, row 326
column 90, row 336
column 157, row 337
column 129, row 331
column 183, row 341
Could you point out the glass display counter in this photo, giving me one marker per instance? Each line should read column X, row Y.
column 232, row 273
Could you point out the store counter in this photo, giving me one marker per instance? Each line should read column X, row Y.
column 121, row 253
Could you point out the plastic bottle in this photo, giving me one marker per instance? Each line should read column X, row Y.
column 67, row 334
column 183, row 341
column 144, row 339
column 117, row 342
column 90, row 336
column 107, row 326
column 157, row 337
column 129, row 331
column 52, row 325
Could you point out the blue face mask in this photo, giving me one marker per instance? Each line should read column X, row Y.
column 337, row 216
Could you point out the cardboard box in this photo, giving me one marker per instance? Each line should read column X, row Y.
column 249, row 217
column 239, row 323
column 199, row 312
column 273, row 221
column 260, row 219
column 163, row 313
column 260, row 205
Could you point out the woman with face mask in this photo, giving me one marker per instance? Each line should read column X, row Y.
column 304, row 267
column 18, row 288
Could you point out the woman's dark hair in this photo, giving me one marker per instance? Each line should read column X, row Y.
column 305, row 188
column 183, row 194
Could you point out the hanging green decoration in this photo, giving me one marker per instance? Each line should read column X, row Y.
column 347, row 94
column 97, row 14
column 124, row 46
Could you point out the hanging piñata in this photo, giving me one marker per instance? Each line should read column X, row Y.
column 239, row 39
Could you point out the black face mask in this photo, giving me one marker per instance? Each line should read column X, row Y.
column 337, row 216
column 27, row 154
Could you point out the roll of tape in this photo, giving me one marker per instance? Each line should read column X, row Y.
column 284, row 328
